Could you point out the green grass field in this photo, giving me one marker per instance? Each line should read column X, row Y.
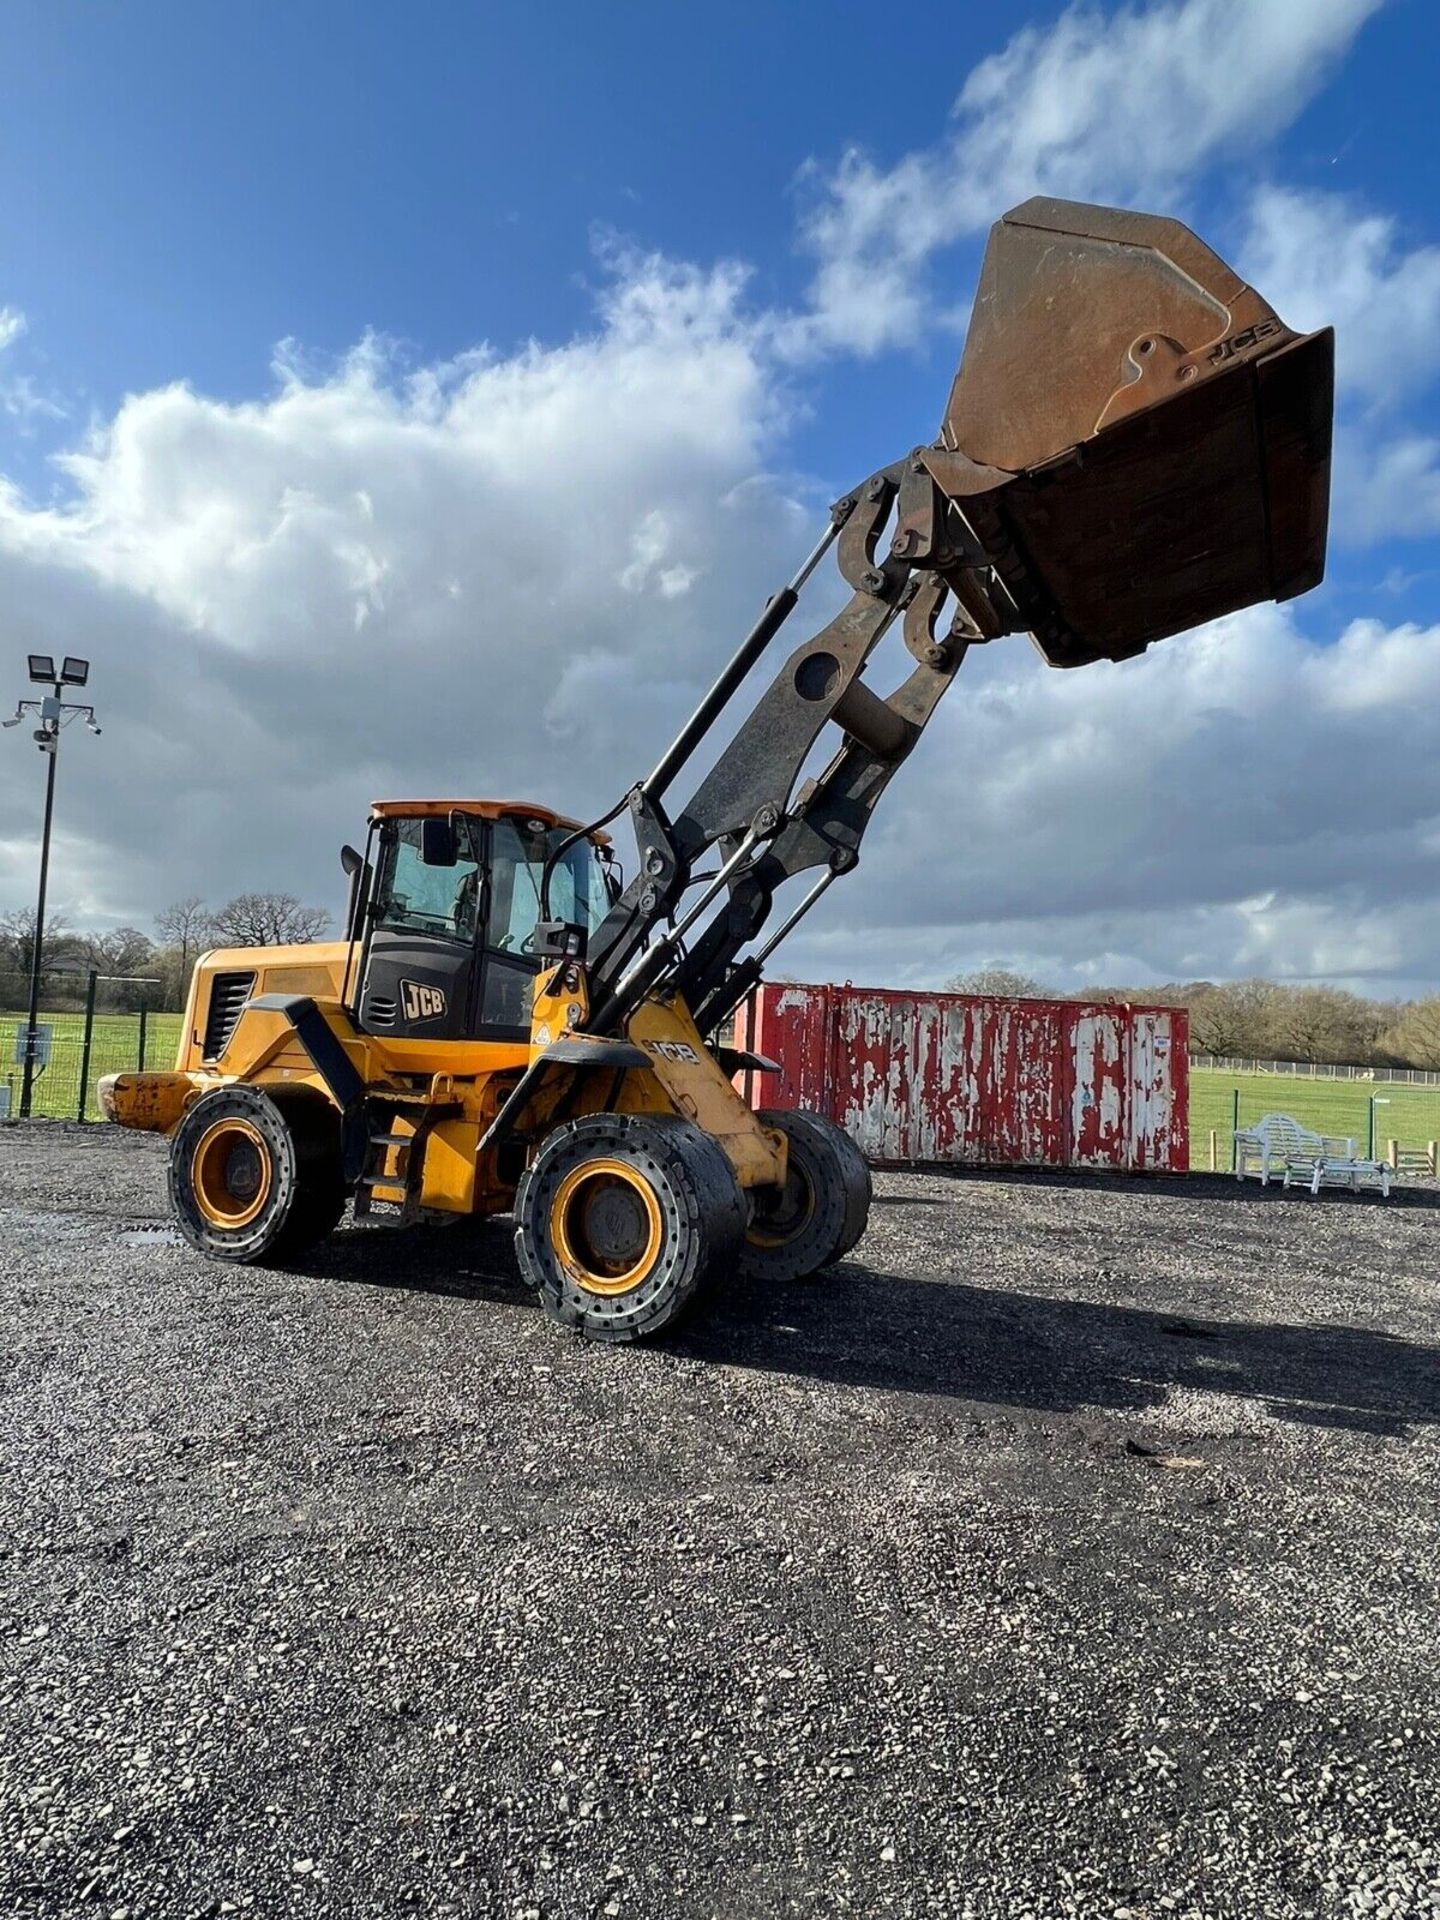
column 114, row 1046
column 1336, row 1107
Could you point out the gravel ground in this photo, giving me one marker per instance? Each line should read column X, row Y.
column 1072, row 1550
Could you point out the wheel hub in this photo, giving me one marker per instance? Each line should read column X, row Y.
column 788, row 1214
column 615, row 1224
column 230, row 1173
column 605, row 1225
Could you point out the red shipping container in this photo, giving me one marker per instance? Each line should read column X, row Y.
column 957, row 1079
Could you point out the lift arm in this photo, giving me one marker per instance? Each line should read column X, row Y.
column 1134, row 443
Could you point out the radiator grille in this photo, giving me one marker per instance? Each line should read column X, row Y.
column 228, row 994
column 379, row 1011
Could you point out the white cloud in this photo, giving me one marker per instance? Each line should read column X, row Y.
column 467, row 578
column 21, row 399
column 1238, row 800
column 1322, row 261
column 1122, row 106
column 372, row 582
column 1386, row 488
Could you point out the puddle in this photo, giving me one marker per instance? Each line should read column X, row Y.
column 39, row 1217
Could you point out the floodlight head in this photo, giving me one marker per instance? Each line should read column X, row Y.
column 73, row 671
column 42, row 667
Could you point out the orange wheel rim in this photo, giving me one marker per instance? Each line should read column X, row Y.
column 231, row 1174
column 606, row 1226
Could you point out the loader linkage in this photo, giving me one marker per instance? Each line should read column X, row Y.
column 1134, row 444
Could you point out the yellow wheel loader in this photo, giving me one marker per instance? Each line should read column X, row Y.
column 1134, row 443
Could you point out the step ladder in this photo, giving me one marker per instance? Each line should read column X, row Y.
column 400, row 1190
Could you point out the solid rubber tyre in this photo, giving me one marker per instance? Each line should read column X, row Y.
column 620, row 1217
column 824, row 1208
column 256, row 1180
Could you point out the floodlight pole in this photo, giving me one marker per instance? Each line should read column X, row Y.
column 37, row 945
column 53, row 713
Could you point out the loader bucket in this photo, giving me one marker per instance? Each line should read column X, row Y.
column 1136, row 438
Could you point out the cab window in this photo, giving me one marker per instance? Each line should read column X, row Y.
column 577, row 887
column 435, row 900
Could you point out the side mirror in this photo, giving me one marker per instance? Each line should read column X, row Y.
column 437, row 841
column 357, row 869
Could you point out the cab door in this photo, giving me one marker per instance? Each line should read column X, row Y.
column 421, row 958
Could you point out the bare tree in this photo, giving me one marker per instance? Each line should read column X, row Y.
column 267, row 920
column 122, row 950
column 185, row 925
column 1414, row 1039
column 17, row 943
column 1326, row 1024
column 1000, row 983
column 1234, row 1019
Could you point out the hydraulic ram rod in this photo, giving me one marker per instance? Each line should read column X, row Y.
column 773, row 616
column 644, row 970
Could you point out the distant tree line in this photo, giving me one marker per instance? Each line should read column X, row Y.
column 140, row 969
column 1264, row 1019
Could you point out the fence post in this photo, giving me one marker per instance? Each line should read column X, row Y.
column 1234, row 1128
column 85, row 1043
column 143, row 1015
column 1431, row 1151
column 1213, row 1144
column 1392, row 1153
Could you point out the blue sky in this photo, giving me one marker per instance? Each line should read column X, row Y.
column 651, row 197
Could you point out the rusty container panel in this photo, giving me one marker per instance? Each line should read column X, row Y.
column 957, row 1079
column 1160, row 1088
column 1098, row 1084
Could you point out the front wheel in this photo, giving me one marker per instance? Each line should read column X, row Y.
column 618, row 1219
column 821, row 1211
column 255, row 1180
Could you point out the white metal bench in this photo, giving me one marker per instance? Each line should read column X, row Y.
column 1278, row 1147
column 1265, row 1150
column 1338, row 1171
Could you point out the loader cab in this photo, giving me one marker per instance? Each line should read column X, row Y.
column 447, row 912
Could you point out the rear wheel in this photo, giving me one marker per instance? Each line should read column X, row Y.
column 256, row 1180
column 619, row 1217
column 821, row 1211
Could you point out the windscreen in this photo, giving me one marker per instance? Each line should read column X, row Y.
column 577, row 883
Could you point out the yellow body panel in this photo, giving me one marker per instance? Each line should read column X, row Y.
column 317, row 969
column 472, row 1076
column 554, row 1009
column 147, row 1102
column 449, row 1183
column 696, row 1086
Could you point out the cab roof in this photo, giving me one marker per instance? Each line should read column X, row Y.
column 485, row 809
